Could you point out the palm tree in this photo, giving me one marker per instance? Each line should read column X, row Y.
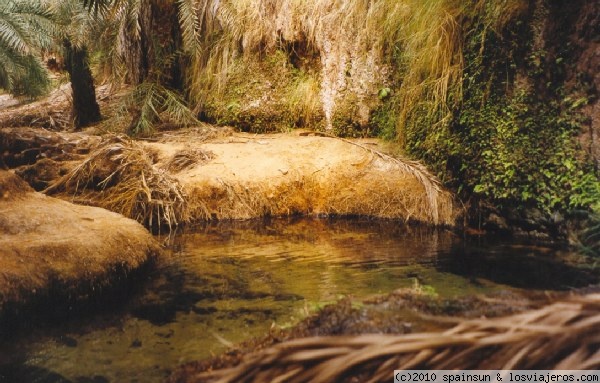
column 76, row 35
column 128, row 27
column 26, row 27
column 85, row 108
column 133, row 23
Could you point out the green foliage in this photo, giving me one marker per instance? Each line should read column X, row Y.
column 511, row 143
column 344, row 122
column 384, row 119
column 590, row 238
column 147, row 105
column 26, row 26
column 522, row 151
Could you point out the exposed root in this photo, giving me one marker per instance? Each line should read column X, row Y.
column 121, row 176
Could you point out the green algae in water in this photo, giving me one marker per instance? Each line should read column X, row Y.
column 225, row 283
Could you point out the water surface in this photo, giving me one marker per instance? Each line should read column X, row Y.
column 228, row 282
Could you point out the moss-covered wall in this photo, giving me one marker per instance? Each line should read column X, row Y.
column 274, row 93
column 499, row 98
column 513, row 147
column 273, row 65
column 266, row 95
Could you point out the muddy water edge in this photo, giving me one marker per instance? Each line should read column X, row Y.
column 224, row 283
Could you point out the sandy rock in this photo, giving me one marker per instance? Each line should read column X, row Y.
column 249, row 176
column 51, row 245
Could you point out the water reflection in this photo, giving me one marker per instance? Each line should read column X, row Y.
column 228, row 282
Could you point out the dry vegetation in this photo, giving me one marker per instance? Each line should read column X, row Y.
column 561, row 336
column 121, row 176
column 188, row 158
column 282, row 175
column 205, row 173
column 52, row 112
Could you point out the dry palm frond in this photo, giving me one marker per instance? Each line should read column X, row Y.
column 432, row 185
column 563, row 335
column 189, row 157
column 121, row 176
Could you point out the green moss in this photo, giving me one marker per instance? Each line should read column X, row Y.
column 384, row 119
column 265, row 95
column 343, row 121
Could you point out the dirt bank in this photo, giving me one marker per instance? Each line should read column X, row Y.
column 246, row 176
column 49, row 246
column 208, row 173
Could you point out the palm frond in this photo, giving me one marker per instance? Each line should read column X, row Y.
column 25, row 27
column 13, row 31
column 148, row 105
column 133, row 18
column 98, row 6
column 190, row 24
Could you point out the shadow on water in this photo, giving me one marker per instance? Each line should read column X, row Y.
column 233, row 281
column 31, row 374
column 520, row 266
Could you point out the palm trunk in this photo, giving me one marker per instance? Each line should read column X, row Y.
column 85, row 109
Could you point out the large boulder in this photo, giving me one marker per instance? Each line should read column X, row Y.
column 52, row 248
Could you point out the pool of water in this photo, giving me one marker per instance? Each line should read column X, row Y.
column 224, row 283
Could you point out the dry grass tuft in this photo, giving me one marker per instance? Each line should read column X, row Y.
column 562, row 336
column 121, row 176
column 188, row 158
column 431, row 41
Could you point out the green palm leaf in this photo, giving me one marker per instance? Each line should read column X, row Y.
column 25, row 27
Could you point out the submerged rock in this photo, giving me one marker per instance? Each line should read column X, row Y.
column 55, row 249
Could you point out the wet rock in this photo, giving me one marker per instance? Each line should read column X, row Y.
column 496, row 223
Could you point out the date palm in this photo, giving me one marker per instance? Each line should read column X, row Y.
column 76, row 36
column 129, row 26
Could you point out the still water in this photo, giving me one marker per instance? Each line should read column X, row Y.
column 226, row 283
